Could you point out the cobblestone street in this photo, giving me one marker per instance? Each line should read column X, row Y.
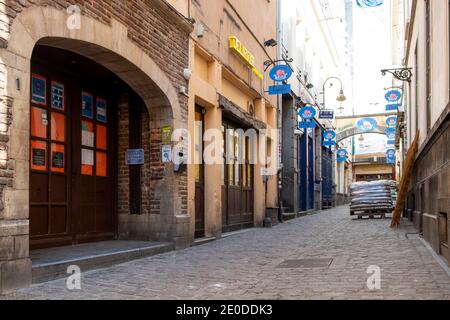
column 246, row 266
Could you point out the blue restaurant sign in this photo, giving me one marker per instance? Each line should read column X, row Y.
column 281, row 89
column 393, row 96
column 307, row 115
column 390, row 156
column 280, row 73
column 367, row 124
column 390, row 133
column 326, row 114
column 342, row 155
column 391, row 122
column 329, row 137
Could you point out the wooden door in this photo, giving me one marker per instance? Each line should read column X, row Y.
column 199, row 174
column 72, row 155
column 237, row 189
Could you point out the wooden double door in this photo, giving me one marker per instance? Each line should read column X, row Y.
column 72, row 151
column 237, row 179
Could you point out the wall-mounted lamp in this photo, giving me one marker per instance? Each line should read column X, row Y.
column 270, row 43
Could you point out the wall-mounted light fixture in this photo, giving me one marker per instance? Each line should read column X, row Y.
column 270, row 43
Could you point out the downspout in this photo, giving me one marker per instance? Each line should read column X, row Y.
column 280, row 115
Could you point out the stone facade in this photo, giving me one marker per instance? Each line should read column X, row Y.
column 145, row 43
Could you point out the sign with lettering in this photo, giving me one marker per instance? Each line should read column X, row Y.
column 134, row 157
column 326, row 114
column 242, row 52
column 281, row 89
column 391, row 122
column 393, row 96
column 328, row 138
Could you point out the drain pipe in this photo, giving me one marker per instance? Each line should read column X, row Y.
column 280, row 115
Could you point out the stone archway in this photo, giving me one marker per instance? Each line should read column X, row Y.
column 348, row 133
column 110, row 46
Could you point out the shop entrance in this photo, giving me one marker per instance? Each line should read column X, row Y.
column 237, row 179
column 73, row 156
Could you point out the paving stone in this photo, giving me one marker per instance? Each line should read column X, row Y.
column 244, row 266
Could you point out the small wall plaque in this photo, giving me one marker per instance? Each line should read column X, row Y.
column 134, row 157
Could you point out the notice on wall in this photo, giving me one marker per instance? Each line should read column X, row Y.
column 101, row 110
column 87, row 157
column 87, row 134
column 134, row 157
column 38, row 157
column 166, row 134
column 166, row 153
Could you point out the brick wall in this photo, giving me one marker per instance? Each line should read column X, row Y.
column 156, row 28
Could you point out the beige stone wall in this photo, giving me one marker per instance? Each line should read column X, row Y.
column 217, row 70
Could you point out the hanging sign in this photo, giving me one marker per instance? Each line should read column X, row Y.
column 390, row 134
column 367, row 124
column 391, row 122
column 393, row 107
column 281, row 89
column 326, row 114
column 328, row 138
column 342, row 155
column 307, row 115
column 393, row 96
column 280, row 73
column 390, row 156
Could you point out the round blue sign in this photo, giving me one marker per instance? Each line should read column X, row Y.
column 342, row 153
column 390, row 133
column 307, row 113
column 390, row 153
column 367, row 124
column 393, row 95
column 329, row 134
column 391, row 122
column 280, row 73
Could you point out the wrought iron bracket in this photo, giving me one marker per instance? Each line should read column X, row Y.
column 268, row 63
column 402, row 74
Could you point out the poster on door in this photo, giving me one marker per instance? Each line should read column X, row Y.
column 87, row 134
column 101, row 110
column 38, row 89
column 87, row 108
column 58, row 96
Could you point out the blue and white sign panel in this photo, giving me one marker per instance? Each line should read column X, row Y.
column 393, row 106
column 367, row 124
column 134, row 157
column 390, row 134
column 390, row 156
column 369, row 3
column 329, row 137
column 280, row 73
column 326, row 114
column 307, row 115
column 393, row 96
column 391, row 122
column 342, row 155
column 281, row 89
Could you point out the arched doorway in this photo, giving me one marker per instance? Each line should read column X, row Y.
column 74, row 138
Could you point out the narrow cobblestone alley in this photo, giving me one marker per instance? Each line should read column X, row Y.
column 247, row 266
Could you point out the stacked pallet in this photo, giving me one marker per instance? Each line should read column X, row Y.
column 371, row 198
